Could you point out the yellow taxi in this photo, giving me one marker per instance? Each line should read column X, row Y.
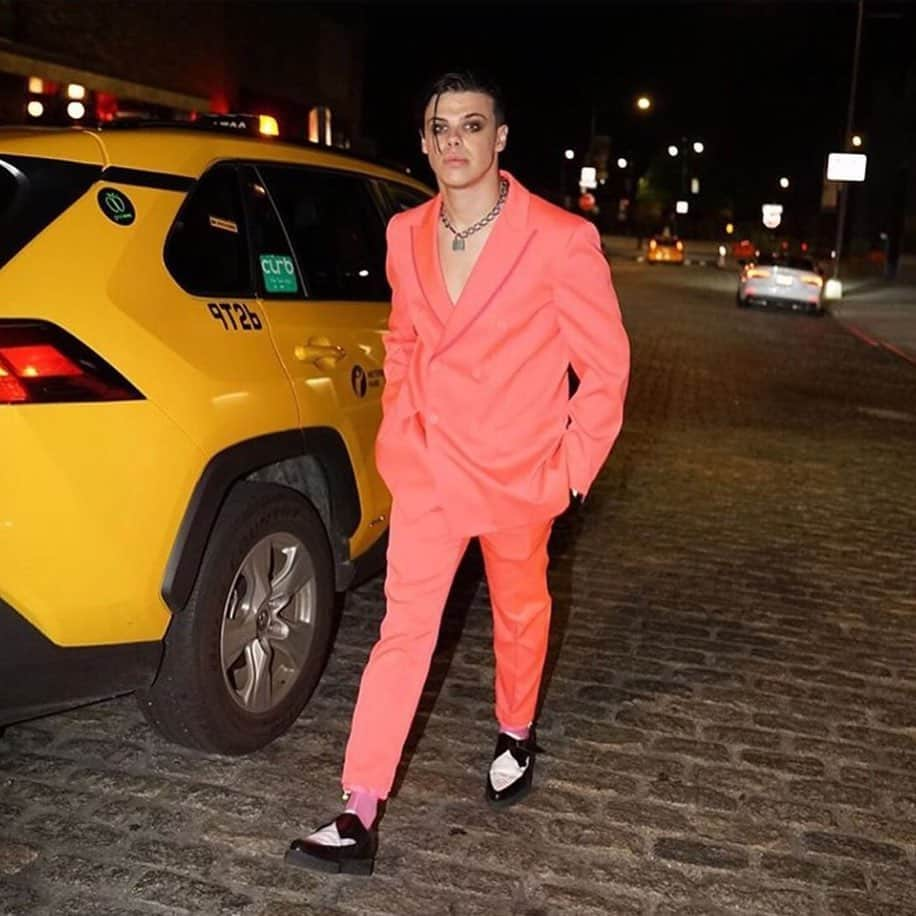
column 665, row 249
column 191, row 350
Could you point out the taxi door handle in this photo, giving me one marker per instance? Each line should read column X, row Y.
column 319, row 350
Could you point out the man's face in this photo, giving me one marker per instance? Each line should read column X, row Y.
column 461, row 139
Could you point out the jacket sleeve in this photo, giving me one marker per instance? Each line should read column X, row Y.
column 590, row 320
column 401, row 336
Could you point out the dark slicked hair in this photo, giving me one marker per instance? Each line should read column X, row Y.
column 464, row 81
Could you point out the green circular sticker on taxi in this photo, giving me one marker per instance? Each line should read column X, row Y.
column 117, row 206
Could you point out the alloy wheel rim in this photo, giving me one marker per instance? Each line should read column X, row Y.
column 268, row 622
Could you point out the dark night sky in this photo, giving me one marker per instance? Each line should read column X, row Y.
column 764, row 84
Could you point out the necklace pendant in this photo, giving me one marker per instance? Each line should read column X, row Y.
column 457, row 244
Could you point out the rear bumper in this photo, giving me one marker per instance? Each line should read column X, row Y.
column 39, row 676
column 792, row 303
column 665, row 258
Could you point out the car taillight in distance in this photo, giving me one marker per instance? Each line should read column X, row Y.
column 813, row 280
column 41, row 363
column 759, row 272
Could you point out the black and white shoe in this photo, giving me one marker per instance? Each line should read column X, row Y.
column 512, row 770
column 341, row 846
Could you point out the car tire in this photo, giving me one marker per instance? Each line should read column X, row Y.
column 203, row 697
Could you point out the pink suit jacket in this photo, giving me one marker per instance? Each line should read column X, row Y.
column 477, row 418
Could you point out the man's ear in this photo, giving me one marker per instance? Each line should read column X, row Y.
column 502, row 134
column 423, row 143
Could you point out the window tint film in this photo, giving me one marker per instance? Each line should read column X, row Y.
column 274, row 264
column 403, row 198
column 207, row 249
column 336, row 230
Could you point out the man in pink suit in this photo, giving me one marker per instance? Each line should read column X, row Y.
column 495, row 294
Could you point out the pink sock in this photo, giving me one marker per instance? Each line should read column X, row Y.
column 364, row 805
column 520, row 734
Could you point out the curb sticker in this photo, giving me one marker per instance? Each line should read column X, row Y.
column 359, row 381
column 117, row 206
column 279, row 273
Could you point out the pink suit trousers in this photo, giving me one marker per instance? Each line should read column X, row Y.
column 423, row 556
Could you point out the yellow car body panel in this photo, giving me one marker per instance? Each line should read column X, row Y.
column 90, row 498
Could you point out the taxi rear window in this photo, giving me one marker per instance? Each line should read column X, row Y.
column 33, row 192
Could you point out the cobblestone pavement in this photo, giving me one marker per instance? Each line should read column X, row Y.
column 730, row 723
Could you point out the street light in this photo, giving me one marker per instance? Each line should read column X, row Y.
column 621, row 163
column 570, row 154
column 856, row 140
column 643, row 103
column 698, row 147
column 783, row 183
column 672, row 151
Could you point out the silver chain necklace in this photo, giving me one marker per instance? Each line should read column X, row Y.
column 459, row 237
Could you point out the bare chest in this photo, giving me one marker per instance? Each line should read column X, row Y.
column 457, row 266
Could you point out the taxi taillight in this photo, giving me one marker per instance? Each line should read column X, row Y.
column 41, row 363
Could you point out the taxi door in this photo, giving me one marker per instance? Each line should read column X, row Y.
column 323, row 289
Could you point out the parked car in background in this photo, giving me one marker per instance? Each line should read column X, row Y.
column 782, row 281
column 665, row 249
column 744, row 250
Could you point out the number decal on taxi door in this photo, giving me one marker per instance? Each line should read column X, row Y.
column 235, row 316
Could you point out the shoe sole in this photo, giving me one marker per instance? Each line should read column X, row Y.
column 499, row 803
column 363, row 867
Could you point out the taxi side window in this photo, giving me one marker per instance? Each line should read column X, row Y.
column 336, row 230
column 403, row 198
column 272, row 258
column 207, row 248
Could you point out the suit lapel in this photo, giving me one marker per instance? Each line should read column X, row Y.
column 502, row 251
column 426, row 262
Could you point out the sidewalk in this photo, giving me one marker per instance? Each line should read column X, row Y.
column 880, row 313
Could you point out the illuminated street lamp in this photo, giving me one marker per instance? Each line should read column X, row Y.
column 784, row 183
column 76, row 110
column 621, row 163
column 698, row 147
column 35, row 108
column 643, row 103
column 856, row 140
column 570, row 154
column 672, row 151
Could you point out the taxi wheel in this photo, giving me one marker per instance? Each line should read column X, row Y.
column 243, row 657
